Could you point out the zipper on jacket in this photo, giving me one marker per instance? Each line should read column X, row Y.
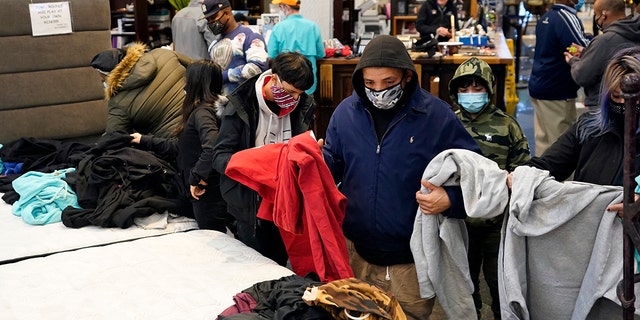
column 393, row 124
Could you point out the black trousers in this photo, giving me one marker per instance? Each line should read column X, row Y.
column 265, row 238
column 484, row 245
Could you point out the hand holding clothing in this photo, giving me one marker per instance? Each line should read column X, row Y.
column 435, row 202
column 135, row 138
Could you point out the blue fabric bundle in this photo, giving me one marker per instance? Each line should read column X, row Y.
column 43, row 196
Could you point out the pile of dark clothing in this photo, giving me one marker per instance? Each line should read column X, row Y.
column 307, row 298
column 113, row 181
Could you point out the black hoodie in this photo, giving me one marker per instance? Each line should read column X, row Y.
column 587, row 71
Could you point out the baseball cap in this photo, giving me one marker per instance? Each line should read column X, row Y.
column 211, row 7
column 293, row 3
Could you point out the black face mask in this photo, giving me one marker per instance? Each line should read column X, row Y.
column 217, row 26
column 596, row 19
column 618, row 108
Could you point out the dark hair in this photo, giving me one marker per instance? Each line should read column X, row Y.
column 293, row 68
column 203, row 85
column 467, row 80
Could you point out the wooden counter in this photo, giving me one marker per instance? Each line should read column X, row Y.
column 434, row 74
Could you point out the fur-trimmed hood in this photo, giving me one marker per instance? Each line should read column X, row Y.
column 119, row 74
column 220, row 104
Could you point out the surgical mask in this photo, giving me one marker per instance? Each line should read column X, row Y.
column 283, row 12
column 579, row 5
column 217, row 26
column 473, row 102
column 283, row 98
column 386, row 98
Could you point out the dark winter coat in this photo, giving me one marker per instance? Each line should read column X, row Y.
column 145, row 92
column 239, row 122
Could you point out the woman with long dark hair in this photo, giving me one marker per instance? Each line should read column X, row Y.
column 193, row 148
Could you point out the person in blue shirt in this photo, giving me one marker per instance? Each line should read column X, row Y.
column 296, row 34
column 240, row 52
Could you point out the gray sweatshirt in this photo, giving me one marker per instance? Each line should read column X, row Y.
column 560, row 253
column 560, row 249
column 439, row 244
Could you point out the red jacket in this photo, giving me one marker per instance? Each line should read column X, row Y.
column 301, row 198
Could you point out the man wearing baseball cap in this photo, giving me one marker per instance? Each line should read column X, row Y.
column 296, row 34
column 240, row 52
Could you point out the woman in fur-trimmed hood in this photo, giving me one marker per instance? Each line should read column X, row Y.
column 144, row 89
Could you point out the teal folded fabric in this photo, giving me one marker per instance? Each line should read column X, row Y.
column 43, row 196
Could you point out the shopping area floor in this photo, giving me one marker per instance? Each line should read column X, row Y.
column 524, row 116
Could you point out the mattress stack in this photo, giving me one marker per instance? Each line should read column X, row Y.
column 47, row 86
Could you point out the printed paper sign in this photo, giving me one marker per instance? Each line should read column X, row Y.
column 50, row 18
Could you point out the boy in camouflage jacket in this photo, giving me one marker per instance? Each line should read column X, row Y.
column 501, row 139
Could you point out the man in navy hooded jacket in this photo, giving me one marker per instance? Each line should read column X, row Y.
column 378, row 143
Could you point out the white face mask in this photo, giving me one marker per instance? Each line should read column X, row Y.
column 385, row 98
column 283, row 12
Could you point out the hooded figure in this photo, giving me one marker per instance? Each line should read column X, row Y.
column 497, row 133
column 378, row 143
column 501, row 139
column 144, row 91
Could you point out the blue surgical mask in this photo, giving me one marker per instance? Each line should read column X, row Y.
column 473, row 102
column 579, row 5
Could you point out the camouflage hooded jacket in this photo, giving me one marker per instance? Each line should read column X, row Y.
column 497, row 133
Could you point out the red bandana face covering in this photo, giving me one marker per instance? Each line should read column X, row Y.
column 283, row 99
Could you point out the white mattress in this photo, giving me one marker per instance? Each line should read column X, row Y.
column 186, row 275
column 20, row 240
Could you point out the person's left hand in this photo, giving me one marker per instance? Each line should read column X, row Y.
column 567, row 56
column 197, row 191
column 435, row 202
column 619, row 207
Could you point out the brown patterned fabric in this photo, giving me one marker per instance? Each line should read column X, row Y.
column 358, row 297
